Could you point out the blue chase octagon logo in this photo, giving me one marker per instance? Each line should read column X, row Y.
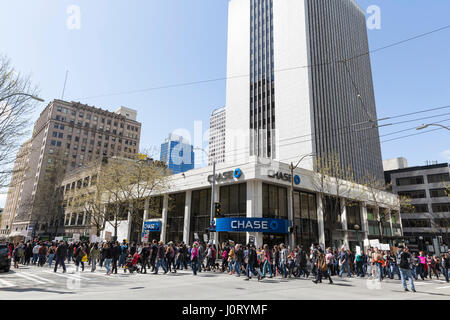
column 297, row 179
column 237, row 173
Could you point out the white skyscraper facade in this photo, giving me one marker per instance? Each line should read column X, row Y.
column 217, row 136
column 288, row 94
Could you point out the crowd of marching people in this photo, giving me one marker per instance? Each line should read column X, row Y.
column 235, row 259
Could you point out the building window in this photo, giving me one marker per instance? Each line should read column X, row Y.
column 175, row 217
column 274, row 202
column 353, row 216
column 200, row 212
column 233, row 200
column 305, row 218
column 409, row 181
column 441, row 207
column 416, row 223
column 438, row 178
column 437, row 193
column 416, row 194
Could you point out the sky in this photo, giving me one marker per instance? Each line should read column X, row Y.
column 123, row 46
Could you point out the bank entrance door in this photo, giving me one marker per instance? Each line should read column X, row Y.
column 236, row 237
column 275, row 239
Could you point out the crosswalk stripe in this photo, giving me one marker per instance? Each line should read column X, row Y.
column 29, row 278
column 6, row 284
column 64, row 275
column 35, row 278
column 446, row 287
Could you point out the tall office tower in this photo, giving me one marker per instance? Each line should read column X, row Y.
column 177, row 153
column 18, row 179
column 79, row 133
column 297, row 98
column 217, row 136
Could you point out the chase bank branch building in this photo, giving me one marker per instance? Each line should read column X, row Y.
column 278, row 110
column 255, row 203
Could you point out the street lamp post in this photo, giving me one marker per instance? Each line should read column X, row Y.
column 22, row 94
column 424, row 126
column 292, row 168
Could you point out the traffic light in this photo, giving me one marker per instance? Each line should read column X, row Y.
column 217, row 209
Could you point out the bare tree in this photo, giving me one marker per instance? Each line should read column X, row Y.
column 16, row 105
column 332, row 183
column 127, row 183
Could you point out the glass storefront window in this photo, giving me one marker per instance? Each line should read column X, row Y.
column 274, row 202
column 155, row 206
column 175, row 217
column 305, row 219
column 233, row 200
column 200, row 213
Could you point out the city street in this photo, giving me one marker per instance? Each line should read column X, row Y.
column 42, row 283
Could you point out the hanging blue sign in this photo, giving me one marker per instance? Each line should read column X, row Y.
column 152, row 226
column 264, row 225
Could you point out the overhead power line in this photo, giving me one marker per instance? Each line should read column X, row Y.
column 183, row 84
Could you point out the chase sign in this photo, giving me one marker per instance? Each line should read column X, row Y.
column 229, row 175
column 152, row 226
column 264, row 225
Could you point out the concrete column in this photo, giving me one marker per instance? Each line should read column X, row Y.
column 215, row 235
column 145, row 217
column 187, row 216
column 164, row 217
column 255, row 207
column 390, row 221
column 344, row 222
column 320, row 219
column 364, row 224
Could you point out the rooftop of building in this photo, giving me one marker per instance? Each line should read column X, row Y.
column 217, row 111
column 99, row 110
column 417, row 168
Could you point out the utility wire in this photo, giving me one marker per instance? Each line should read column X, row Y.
column 183, row 84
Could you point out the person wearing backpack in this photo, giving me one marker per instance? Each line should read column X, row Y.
column 446, row 265
column 329, row 259
column 359, row 260
column 321, row 267
column 194, row 258
column 267, row 264
column 252, row 261
column 79, row 254
column 239, row 259
column 405, row 268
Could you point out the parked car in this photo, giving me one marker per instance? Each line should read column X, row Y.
column 5, row 258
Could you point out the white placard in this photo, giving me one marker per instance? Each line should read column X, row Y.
column 76, row 237
column 196, row 236
column 366, row 242
column 358, row 249
column 205, row 238
column 93, row 238
column 58, row 238
column 374, row 242
column 385, row 247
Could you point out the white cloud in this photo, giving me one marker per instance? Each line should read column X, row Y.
column 446, row 154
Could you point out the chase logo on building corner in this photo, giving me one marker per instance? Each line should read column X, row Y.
column 229, row 175
column 283, row 176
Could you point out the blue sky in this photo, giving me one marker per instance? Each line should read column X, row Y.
column 137, row 44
